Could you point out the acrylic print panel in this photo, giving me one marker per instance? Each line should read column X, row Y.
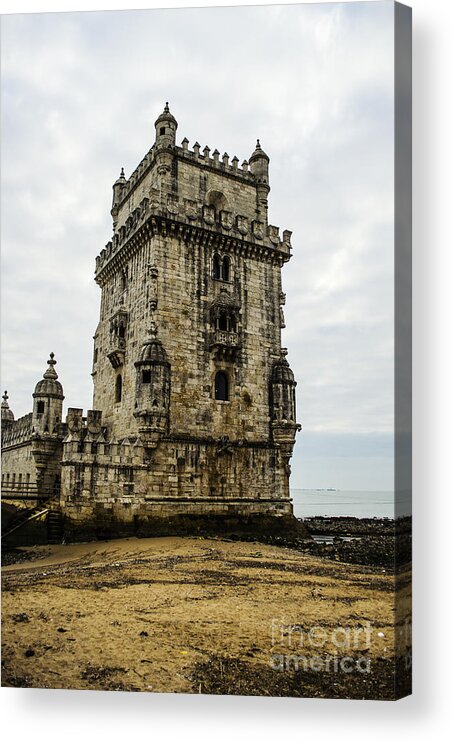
column 224, row 506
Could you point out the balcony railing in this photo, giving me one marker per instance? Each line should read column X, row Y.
column 225, row 338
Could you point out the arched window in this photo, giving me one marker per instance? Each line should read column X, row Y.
column 226, row 268
column 121, row 331
column 40, row 408
column 123, row 280
column 216, row 268
column 221, row 386
column 118, row 388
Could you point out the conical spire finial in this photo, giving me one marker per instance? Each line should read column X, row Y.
column 166, row 109
column 51, row 373
column 5, row 398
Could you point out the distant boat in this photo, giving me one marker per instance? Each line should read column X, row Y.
column 331, row 489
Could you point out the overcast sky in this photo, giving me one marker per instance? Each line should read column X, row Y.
column 80, row 93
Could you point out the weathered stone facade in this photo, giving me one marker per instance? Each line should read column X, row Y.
column 194, row 401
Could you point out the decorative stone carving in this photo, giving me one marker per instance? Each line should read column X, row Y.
column 273, row 233
column 242, row 224
column 208, row 214
column 190, row 209
column 257, row 230
column 226, row 219
column 172, row 203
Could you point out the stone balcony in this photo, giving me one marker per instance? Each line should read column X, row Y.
column 117, row 351
column 224, row 343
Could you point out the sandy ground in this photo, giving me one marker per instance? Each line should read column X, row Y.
column 195, row 615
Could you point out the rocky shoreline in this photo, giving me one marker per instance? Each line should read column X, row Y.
column 378, row 542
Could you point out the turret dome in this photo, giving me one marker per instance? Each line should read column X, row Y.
column 166, row 117
column 281, row 371
column 49, row 386
column 152, row 350
column 7, row 414
column 258, row 153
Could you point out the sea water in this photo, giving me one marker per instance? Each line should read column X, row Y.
column 357, row 503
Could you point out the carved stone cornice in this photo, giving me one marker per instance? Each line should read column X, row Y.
column 112, row 259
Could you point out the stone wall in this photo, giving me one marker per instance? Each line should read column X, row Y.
column 31, row 462
column 18, row 469
column 177, row 473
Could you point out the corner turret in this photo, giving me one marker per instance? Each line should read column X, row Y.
column 259, row 164
column 283, row 407
column 166, row 126
column 152, row 395
column 259, row 167
column 118, row 190
column 48, row 402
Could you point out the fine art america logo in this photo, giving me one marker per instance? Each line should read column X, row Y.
column 342, row 649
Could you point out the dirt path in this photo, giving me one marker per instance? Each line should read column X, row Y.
column 194, row 615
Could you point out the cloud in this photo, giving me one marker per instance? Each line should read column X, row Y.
column 80, row 93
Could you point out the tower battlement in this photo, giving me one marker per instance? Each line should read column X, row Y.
column 196, row 155
column 199, row 196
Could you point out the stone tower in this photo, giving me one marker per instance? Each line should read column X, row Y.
column 46, row 430
column 196, row 395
